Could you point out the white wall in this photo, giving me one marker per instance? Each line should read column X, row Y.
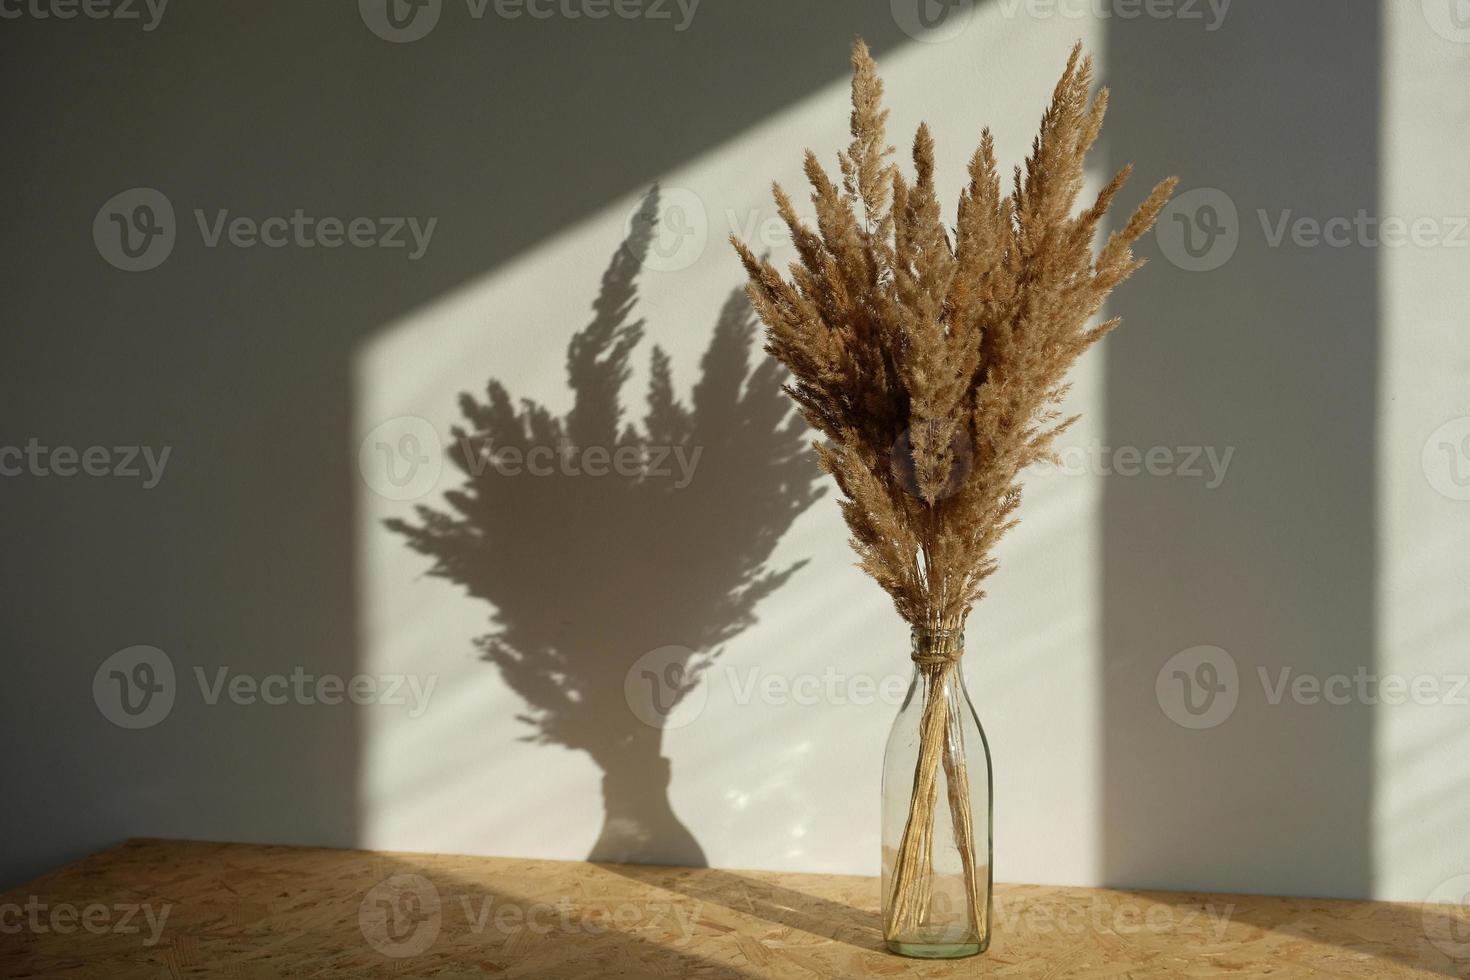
column 759, row 782
column 795, row 786
column 1422, row 797
column 264, row 548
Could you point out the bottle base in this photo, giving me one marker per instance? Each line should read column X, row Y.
column 936, row 951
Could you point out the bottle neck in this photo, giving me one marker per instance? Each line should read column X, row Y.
column 936, row 648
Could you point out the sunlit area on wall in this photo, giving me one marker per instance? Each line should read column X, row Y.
column 472, row 774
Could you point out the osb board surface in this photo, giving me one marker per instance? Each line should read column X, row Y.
column 272, row 913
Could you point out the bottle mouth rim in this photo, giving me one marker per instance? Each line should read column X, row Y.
column 931, row 647
column 937, row 632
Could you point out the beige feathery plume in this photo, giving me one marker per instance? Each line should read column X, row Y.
column 932, row 359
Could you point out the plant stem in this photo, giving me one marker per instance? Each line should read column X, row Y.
column 957, row 779
column 913, row 874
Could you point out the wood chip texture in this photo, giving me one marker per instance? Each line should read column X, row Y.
column 167, row 910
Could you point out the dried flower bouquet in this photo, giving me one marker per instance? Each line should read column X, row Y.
column 932, row 359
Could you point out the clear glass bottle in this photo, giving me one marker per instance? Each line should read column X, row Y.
column 937, row 811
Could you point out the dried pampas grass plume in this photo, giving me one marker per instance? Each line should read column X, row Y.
column 932, row 359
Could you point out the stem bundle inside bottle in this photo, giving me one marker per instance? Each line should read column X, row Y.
column 941, row 758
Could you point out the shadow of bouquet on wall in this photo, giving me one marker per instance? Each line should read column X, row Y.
column 620, row 558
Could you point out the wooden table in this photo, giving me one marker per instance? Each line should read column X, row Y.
column 171, row 909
